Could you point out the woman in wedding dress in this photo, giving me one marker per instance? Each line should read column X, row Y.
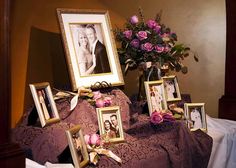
column 86, row 60
column 196, row 117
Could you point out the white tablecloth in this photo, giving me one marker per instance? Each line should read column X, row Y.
column 223, row 133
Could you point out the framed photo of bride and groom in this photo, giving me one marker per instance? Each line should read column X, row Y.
column 90, row 47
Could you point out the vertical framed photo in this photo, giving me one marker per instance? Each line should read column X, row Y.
column 77, row 146
column 90, row 47
column 171, row 87
column 110, row 124
column 196, row 116
column 155, row 95
column 44, row 102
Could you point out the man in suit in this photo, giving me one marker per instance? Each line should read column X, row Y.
column 99, row 50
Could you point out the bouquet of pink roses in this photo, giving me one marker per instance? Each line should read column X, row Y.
column 150, row 41
column 158, row 117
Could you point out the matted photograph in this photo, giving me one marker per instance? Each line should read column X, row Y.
column 196, row 116
column 77, row 145
column 110, row 124
column 44, row 102
column 155, row 95
column 90, row 47
column 171, row 87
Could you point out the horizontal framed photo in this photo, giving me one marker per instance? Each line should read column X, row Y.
column 171, row 87
column 90, row 47
column 155, row 95
column 196, row 116
column 44, row 102
column 110, row 124
column 77, row 146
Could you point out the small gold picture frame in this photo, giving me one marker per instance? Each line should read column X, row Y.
column 171, row 87
column 155, row 96
column 110, row 124
column 196, row 116
column 77, row 146
column 44, row 102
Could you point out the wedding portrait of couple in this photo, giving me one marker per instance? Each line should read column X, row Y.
column 91, row 53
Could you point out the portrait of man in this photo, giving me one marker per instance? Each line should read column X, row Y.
column 115, row 125
column 98, row 50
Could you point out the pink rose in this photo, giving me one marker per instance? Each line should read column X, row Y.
column 134, row 19
column 159, row 48
column 156, row 117
column 99, row 103
column 135, row 43
column 128, row 34
column 168, row 116
column 157, row 28
column 87, row 139
column 97, row 95
column 95, row 139
column 107, row 101
column 142, row 35
column 147, row 47
column 151, row 24
column 166, row 49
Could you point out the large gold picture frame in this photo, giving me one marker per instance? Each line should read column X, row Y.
column 90, row 47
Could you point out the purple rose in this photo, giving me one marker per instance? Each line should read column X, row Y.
column 107, row 101
column 128, row 34
column 135, row 43
column 168, row 117
column 134, row 19
column 151, row 24
column 159, row 48
column 95, row 139
column 166, row 49
column 142, row 35
column 157, row 28
column 156, row 117
column 147, row 47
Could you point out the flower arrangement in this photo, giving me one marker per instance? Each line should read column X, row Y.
column 158, row 117
column 95, row 146
column 150, row 42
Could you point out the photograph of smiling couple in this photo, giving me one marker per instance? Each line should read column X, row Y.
column 91, row 53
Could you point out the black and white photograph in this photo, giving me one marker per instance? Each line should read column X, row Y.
column 196, row 116
column 90, row 48
column 171, row 87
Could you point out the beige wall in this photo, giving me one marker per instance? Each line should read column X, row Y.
column 201, row 24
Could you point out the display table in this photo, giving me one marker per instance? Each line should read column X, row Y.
column 168, row 145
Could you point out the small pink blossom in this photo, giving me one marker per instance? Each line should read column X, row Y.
column 87, row 139
column 99, row 103
column 156, row 117
column 147, row 47
column 134, row 19
column 95, row 139
column 157, row 28
column 142, row 35
column 128, row 34
column 151, row 24
column 107, row 101
column 166, row 49
column 159, row 48
column 97, row 95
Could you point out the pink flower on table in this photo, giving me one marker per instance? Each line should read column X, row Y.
column 87, row 139
column 95, row 139
column 107, row 101
column 128, row 34
column 134, row 19
column 151, row 24
column 156, row 117
column 147, row 46
column 99, row 103
column 168, row 116
column 142, row 35
column 159, row 48
column 135, row 43
column 97, row 95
